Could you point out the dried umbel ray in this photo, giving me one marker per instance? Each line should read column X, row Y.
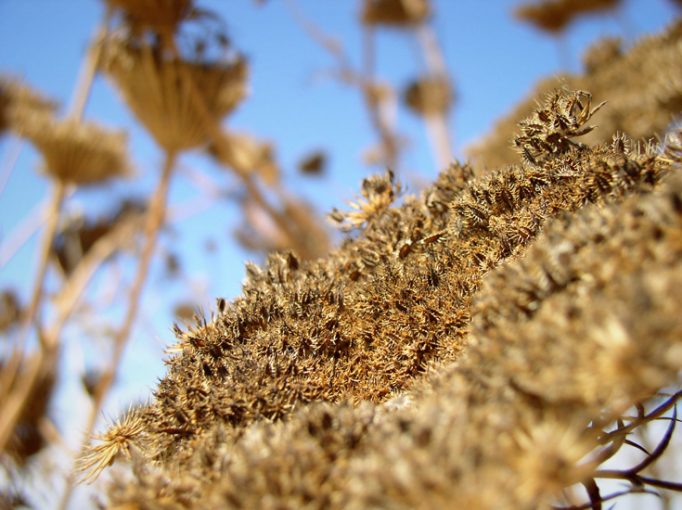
column 16, row 97
column 74, row 152
column 173, row 97
column 398, row 13
column 554, row 15
column 246, row 154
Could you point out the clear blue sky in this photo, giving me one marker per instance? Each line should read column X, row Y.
column 494, row 61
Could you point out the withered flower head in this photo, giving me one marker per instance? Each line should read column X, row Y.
column 549, row 457
column 246, row 154
column 554, row 15
column 117, row 440
column 313, row 163
column 73, row 152
column 378, row 192
column 397, row 13
column 643, row 86
column 429, row 95
column 17, row 97
column 175, row 99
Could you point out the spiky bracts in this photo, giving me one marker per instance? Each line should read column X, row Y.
column 231, row 424
column 563, row 340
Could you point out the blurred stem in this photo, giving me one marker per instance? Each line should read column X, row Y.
column 379, row 123
column 365, row 81
column 439, row 136
column 45, row 358
column 218, row 138
column 436, row 125
column 53, row 210
column 154, row 221
column 88, row 70
column 10, row 161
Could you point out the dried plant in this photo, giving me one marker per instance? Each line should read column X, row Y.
column 488, row 343
column 10, row 310
column 16, row 97
column 554, row 15
column 365, row 323
column 161, row 16
column 398, row 13
column 378, row 193
column 160, row 89
column 76, row 153
column 430, row 95
column 117, row 441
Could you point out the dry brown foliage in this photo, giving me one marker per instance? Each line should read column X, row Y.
column 555, row 15
column 532, row 293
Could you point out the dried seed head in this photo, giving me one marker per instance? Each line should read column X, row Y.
column 551, row 128
column 554, row 15
column 313, row 163
column 548, row 458
column 117, row 440
column 178, row 101
column 73, row 152
column 429, row 95
column 245, row 154
column 16, row 98
column 379, row 192
column 397, row 13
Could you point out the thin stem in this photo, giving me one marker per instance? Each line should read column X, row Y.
column 364, row 81
column 436, row 125
column 154, row 222
column 53, row 211
column 367, row 85
column 10, row 161
column 88, row 71
column 28, row 226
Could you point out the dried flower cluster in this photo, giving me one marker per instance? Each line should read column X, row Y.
column 642, row 85
column 237, row 421
column 554, row 15
column 429, row 95
column 15, row 98
column 74, row 152
column 168, row 95
column 397, row 13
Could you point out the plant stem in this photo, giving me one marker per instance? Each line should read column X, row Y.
column 436, row 125
column 53, row 210
column 88, row 71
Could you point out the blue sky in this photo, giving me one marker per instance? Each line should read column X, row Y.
column 494, row 61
